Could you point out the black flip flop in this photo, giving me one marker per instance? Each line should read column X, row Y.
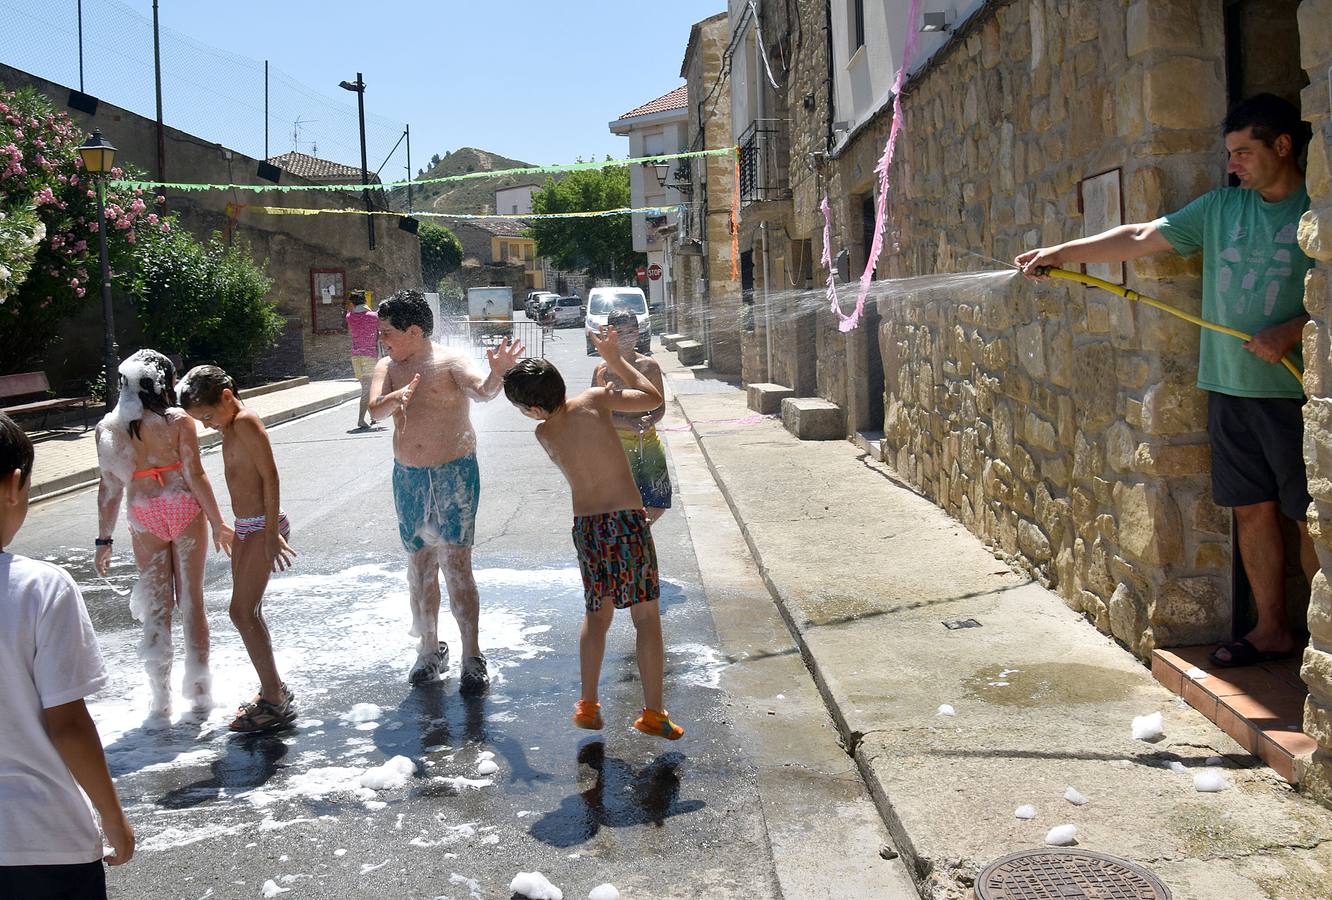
column 1242, row 653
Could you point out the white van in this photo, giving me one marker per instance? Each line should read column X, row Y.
column 602, row 301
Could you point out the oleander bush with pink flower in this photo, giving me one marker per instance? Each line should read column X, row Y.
column 49, row 266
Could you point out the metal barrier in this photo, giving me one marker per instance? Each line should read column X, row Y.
column 475, row 336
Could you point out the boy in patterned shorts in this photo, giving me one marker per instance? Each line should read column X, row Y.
column 610, row 533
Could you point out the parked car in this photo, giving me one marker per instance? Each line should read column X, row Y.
column 535, row 299
column 568, row 311
column 602, row 301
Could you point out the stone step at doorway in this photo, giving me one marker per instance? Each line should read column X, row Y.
column 1261, row 707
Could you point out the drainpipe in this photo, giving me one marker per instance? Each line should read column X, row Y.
column 767, row 308
column 832, row 84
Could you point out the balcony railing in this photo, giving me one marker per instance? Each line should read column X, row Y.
column 763, row 172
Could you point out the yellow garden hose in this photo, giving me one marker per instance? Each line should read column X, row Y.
column 1129, row 294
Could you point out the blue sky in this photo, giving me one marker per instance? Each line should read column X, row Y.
column 531, row 80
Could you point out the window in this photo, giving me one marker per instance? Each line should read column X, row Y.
column 856, row 32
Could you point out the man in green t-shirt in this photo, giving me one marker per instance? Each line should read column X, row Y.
column 1253, row 281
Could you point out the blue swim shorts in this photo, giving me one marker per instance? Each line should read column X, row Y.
column 437, row 504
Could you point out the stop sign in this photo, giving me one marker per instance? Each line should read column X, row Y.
column 654, row 272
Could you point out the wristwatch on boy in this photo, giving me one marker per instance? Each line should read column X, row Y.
column 103, row 542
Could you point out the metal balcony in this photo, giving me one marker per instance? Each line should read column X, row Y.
column 763, row 171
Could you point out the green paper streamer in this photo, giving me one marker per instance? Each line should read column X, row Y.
column 353, row 188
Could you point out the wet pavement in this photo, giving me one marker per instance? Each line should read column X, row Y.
column 316, row 811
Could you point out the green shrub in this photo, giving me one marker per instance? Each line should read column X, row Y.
column 206, row 302
column 441, row 252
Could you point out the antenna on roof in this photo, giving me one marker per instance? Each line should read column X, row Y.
column 296, row 134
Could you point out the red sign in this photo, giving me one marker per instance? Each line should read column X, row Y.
column 654, row 272
column 640, row 272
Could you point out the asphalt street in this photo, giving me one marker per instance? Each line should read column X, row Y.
column 219, row 815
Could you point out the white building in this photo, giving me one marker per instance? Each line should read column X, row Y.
column 516, row 200
column 868, row 40
column 658, row 126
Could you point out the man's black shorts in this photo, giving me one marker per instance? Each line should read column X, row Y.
column 79, row 881
column 1258, row 452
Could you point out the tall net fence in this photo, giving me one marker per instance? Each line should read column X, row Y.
column 208, row 92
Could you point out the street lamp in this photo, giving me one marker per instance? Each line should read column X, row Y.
column 357, row 87
column 98, row 156
column 662, row 169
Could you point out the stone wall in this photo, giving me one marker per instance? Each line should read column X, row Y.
column 1059, row 423
column 1315, row 19
column 711, row 315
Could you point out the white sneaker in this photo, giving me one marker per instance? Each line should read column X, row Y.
column 429, row 666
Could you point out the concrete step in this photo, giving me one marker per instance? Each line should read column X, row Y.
column 813, row 419
column 1261, row 707
column 689, row 352
column 670, row 340
column 767, row 398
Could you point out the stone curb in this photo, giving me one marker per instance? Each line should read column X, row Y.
column 74, row 481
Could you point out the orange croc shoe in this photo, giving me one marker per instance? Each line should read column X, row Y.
column 587, row 715
column 658, row 724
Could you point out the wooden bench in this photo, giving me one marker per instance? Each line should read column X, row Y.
column 29, row 383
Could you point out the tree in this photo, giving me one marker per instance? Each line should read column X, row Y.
column 48, row 227
column 602, row 246
column 434, row 160
column 441, row 252
column 207, row 302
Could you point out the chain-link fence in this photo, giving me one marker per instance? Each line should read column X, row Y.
column 211, row 93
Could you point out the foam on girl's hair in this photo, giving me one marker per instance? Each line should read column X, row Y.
column 145, row 372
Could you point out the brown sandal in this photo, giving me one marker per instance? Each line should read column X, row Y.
column 260, row 715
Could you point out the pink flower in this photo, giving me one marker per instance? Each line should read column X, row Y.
column 80, row 247
column 137, row 206
column 80, row 292
column 129, row 238
column 73, row 282
column 92, row 194
column 152, row 218
column 43, row 197
column 166, row 226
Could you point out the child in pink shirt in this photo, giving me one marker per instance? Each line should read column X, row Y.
column 363, row 325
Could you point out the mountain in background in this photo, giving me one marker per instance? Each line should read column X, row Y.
column 475, row 195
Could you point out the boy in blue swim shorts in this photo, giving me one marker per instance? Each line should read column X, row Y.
column 611, row 534
column 436, row 483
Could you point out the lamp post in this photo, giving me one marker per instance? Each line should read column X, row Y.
column 98, row 156
column 357, row 87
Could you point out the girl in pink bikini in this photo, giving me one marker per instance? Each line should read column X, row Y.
column 148, row 446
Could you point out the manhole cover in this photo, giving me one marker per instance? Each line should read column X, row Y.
column 1067, row 875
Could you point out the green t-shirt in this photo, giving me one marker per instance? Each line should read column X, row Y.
column 1253, row 277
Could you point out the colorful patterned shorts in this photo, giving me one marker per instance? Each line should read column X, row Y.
column 647, row 462
column 617, row 558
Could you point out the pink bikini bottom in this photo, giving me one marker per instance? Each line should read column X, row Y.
column 166, row 515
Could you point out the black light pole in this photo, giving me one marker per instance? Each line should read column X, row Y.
column 358, row 87
column 98, row 156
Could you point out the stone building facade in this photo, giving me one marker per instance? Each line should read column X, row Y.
column 1315, row 56
column 708, row 300
column 1059, row 423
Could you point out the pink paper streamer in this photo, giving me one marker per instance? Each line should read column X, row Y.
column 845, row 322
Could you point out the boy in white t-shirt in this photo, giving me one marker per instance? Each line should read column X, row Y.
column 49, row 748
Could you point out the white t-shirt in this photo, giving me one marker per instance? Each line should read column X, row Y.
column 48, row 657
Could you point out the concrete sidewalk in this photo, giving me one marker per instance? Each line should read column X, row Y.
column 865, row 572
column 67, row 459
